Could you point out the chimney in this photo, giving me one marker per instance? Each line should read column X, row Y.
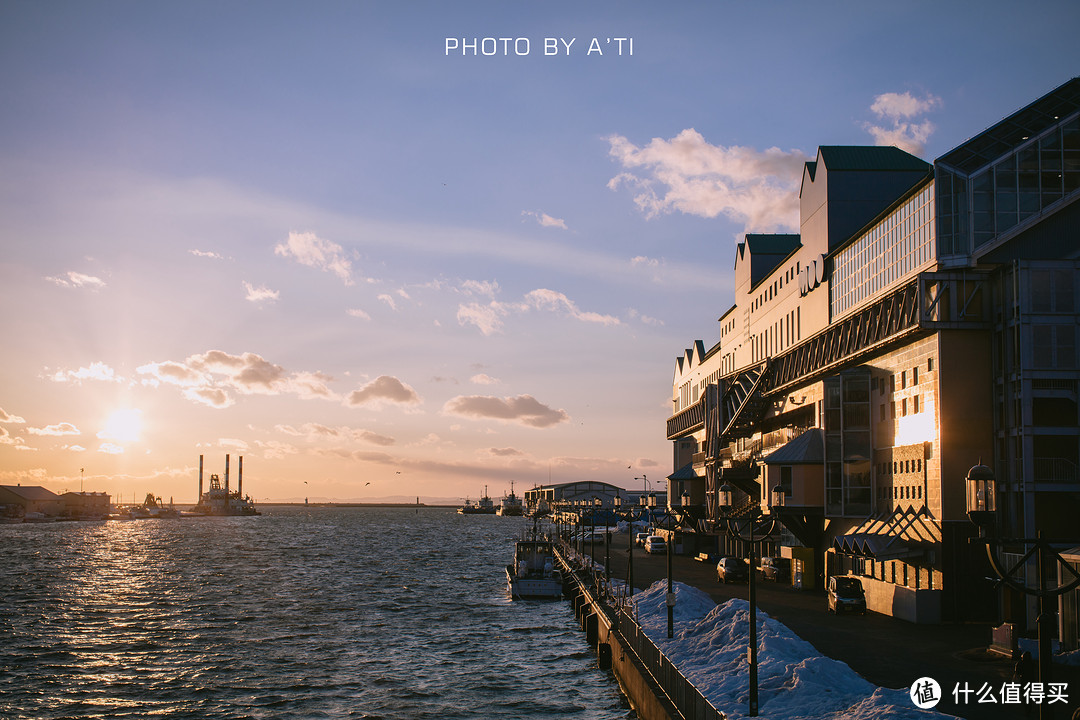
column 226, row 472
column 240, row 476
column 199, row 499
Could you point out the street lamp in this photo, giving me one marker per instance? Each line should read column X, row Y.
column 747, row 526
column 982, row 511
column 630, row 544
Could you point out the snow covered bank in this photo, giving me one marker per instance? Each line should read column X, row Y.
column 795, row 682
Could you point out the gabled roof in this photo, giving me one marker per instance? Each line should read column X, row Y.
column 1015, row 129
column 767, row 252
column 869, row 157
column 807, row 449
column 31, row 492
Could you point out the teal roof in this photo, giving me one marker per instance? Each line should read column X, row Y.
column 781, row 244
column 870, row 157
column 686, row 472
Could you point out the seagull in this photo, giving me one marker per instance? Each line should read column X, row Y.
column 367, row 483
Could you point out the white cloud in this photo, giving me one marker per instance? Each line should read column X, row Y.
column 96, row 371
column 480, row 287
column 357, row 313
column 206, row 254
column 209, row 377
column 544, row 299
column 483, row 379
column 901, row 110
column 544, row 219
column 260, row 294
column 110, row 449
column 489, row 318
column 12, row 419
column 7, row 438
column 381, row 390
column 388, row 300
column 756, row 188
column 523, row 409
column 78, row 280
column 313, row 251
column 55, row 430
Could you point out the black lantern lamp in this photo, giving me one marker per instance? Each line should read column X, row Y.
column 777, row 500
column 981, row 498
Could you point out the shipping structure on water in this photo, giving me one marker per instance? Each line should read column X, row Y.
column 483, row 507
column 220, row 500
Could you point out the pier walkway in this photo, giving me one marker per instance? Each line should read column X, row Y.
column 884, row 650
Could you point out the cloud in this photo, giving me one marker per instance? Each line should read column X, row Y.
column 310, row 250
column 504, row 452
column 756, row 188
column 7, row 438
column 901, row 110
column 55, row 430
column 260, row 294
column 383, row 389
column 489, row 317
column 208, row 378
column 357, row 313
column 480, row 287
column 388, row 300
column 12, row 419
column 110, row 449
column 316, row 431
column 523, row 409
column 96, row 371
column 544, row 219
column 544, row 299
column 206, row 254
column 78, row 280
column 644, row 319
column 483, row 379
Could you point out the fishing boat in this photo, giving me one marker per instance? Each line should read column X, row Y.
column 483, row 507
column 533, row 573
column 511, row 504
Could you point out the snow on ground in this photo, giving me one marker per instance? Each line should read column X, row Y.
column 795, row 682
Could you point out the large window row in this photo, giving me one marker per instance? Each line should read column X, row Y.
column 886, row 254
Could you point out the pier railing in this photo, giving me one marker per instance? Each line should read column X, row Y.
column 684, row 694
column 690, row 701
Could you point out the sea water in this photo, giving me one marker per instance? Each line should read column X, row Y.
column 298, row 613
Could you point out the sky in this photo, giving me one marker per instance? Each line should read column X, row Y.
column 419, row 249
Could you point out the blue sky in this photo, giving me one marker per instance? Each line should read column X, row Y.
column 309, row 234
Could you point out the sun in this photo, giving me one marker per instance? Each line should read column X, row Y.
column 124, row 425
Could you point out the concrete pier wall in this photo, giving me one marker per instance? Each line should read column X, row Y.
column 645, row 694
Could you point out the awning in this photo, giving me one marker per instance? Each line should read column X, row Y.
column 900, row 533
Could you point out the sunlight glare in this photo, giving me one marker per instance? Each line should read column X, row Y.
column 123, row 425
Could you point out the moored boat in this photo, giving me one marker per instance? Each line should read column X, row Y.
column 483, row 507
column 511, row 504
column 533, row 573
column 220, row 500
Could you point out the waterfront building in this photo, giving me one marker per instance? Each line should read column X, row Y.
column 923, row 320
column 85, row 504
column 24, row 500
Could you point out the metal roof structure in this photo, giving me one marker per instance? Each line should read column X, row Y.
column 1023, row 124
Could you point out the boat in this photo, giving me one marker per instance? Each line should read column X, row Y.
column 483, row 507
column 153, row 507
column 219, row 500
column 511, row 504
column 533, row 575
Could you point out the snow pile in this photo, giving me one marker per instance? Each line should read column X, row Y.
column 795, row 682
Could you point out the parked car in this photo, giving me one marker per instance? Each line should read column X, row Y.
column 731, row 569
column 641, row 537
column 776, row 569
column 846, row 594
column 655, row 544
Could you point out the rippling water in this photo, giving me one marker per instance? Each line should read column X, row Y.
column 299, row 613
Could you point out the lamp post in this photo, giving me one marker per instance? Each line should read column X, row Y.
column 630, row 545
column 982, row 494
column 748, row 527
